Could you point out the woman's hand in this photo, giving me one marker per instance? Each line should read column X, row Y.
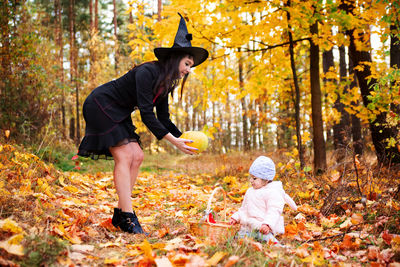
column 180, row 143
column 265, row 229
column 233, row 221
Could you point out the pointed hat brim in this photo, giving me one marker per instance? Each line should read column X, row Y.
column 199, row 54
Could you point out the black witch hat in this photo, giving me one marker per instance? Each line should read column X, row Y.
column 182, row 44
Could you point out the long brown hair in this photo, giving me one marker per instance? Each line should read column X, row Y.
column 169, row 76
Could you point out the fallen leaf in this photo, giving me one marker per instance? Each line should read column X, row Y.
column 162, row 232
column 77, row 256
column 307, row 209
column 232, row 260
column 316, row 258
column 9, row 225
column 335, row 177
column 145, row 246
column 386, row 255
column 357, row 218
column 302, row 251
column 217, row 257
column 14, row 249
column 195, row 261
column 346, row 224
column 373, row 252
column 82, row 248
column 396, row 243
column 7, row 263
column 256, row 245
column 348, row 243
column 163, row 262
column 387, row 237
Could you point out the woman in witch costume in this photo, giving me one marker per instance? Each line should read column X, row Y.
column 109, row 128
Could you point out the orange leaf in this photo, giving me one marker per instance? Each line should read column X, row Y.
column 373, row 252
column 145, row 246
column 357, row 218
column 387, row 237
column 108, row 224
column 231, row 261
column 162, row 232
column 256, row 245
column 179, row 259
column 291, row 230
column 307, row 209
column 348, row 243
column 302, row 252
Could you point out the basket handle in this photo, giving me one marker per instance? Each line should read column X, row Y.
column 208, row 210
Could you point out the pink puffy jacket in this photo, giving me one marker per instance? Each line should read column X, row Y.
column 264, row 206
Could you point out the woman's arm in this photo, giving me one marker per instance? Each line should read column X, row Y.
column 180, row 143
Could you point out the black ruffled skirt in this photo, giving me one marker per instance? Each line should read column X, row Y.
column 102, row 133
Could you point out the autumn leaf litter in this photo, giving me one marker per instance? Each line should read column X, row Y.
column 73, row 212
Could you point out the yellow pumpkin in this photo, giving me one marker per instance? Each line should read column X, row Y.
column 200, row 140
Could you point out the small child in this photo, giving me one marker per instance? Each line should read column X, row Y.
column 260, row 215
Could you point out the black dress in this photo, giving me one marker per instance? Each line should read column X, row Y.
column 107, row 111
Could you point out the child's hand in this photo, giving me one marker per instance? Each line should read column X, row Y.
column 233, row 221
column 265, row 229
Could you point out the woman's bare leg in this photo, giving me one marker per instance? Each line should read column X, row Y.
column 124, row 156
column 137, row 161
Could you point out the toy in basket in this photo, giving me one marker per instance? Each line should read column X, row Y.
column 207, row 227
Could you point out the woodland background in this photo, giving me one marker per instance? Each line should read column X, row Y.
column 300, row 76
column 313, row 84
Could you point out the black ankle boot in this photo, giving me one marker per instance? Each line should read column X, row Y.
column 116, row 217
column 138, row 228
column 129, row 223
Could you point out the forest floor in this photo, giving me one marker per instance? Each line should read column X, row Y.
column 347, row 217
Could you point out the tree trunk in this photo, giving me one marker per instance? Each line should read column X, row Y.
column 96, row 15
column 59, row 43
column 246, row 141
column 5, row 73
column 341, row 129
column 395, row 56
column 327, row 64
column 316, row 106
column 116, row 57
column 74, row 65
column 297, row 90
column 159, row 8
column 394, row 48
column 358, row 145
column 72, row 59
column 379, row 132
column 228, row 133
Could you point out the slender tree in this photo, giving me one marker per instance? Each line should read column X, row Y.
column 59, row 43
column 358, row 146
column 341, row 129
column 300, row 147
column 245, row 135
column 316, row 106
column 116, row 56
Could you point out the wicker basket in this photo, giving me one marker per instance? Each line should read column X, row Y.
column 213, row 232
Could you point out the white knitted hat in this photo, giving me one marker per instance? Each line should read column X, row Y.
column 263, row 167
